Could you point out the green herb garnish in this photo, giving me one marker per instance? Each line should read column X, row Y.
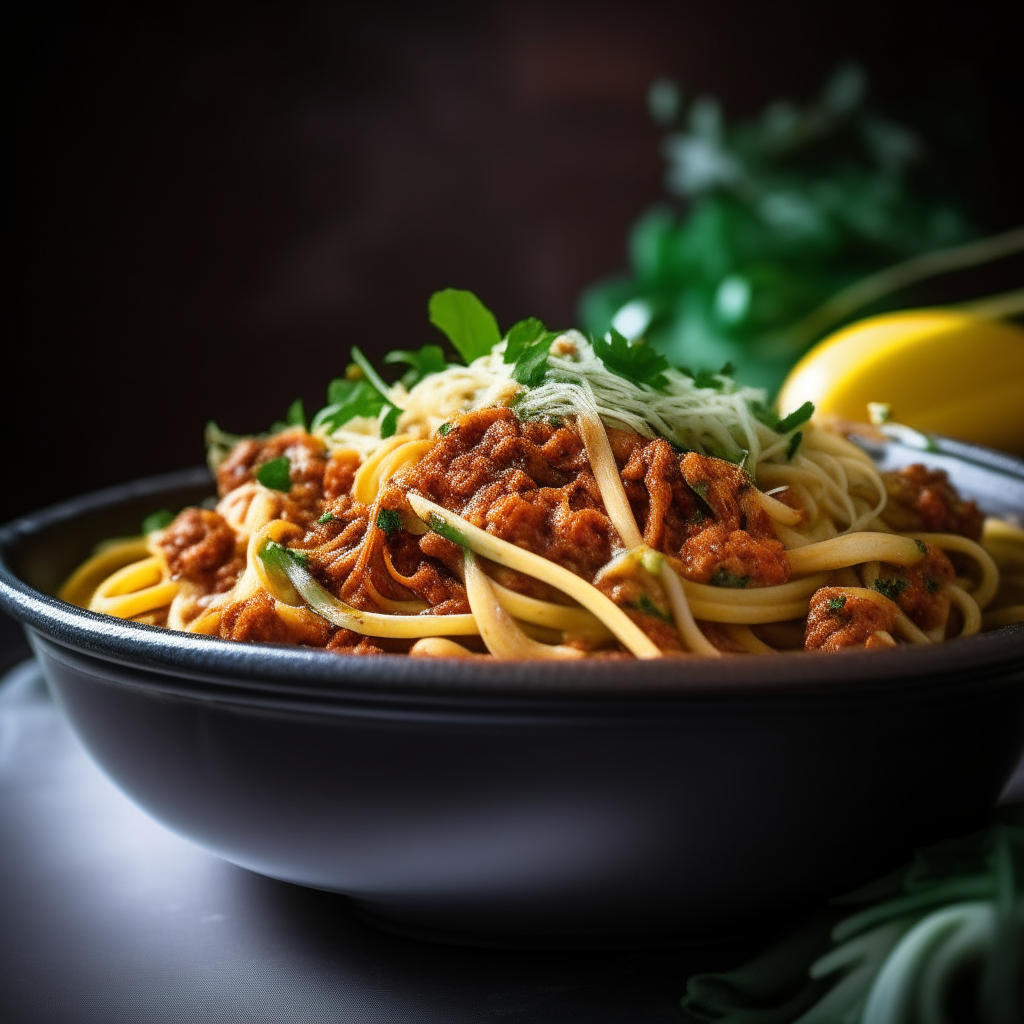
column 465, row 321
column 890, row 587
column 276, row 474
column 795, row 418
column 444, row 429
column 429, row 359
column 727, row 579
column 710, row 379
column 527, row 345
column 346, row 400
column 646, row 605
column 836, row 604
column 389, row 422
column 921, row 546
column 298, row 557
column 389, row 521
column 635, row 362
column 157, row 520
column 932, row 585
column 296, row 415
column 327, row 517
column 442, row 529
column 794, row 443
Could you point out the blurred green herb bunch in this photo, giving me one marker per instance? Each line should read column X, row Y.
column 778, row 214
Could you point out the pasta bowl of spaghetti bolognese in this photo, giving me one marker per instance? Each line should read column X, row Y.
column 555, row 643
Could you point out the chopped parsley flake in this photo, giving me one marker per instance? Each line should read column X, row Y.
column 891, row 587
column 444, row 429
column 389, row 521
column 932, row 585
column 157, row 521
column 727, row 579
column 326, row 518
column 836, row 604
column 276, row 474
column 921, row 546
column 648, row 607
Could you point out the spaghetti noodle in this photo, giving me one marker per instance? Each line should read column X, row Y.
column 600, row 507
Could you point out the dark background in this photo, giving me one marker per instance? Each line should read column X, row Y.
column 213, row 203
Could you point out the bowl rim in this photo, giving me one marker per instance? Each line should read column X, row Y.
column 309, row 673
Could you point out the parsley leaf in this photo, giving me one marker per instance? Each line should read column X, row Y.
column 932, row 585
column 521, row 336
column 638, row 363
column 429, row 359
column 389, row 423
column 444, row 429
column 467, row 323
column 836, row 604
column 389, row 521
column 921, row 546
column 527, row 344
column 157, row 521
column 276, row 474
column 346, row 400
column 794, row 443
column 726, row 579
column 296, row 415
column 794, row 419
column 327, row 517
column 890, row 588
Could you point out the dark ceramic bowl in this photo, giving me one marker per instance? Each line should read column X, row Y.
column 548, row 802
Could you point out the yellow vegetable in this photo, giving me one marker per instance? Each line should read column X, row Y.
column 940, row 371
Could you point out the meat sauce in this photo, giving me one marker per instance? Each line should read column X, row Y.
column 837, row 620
column 530, row 483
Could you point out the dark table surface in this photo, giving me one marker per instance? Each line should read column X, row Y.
column 107, row 916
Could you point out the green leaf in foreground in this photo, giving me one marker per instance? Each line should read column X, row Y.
column 276, row 474
column 466, row 322
column 636, row 362
column 157, row 521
